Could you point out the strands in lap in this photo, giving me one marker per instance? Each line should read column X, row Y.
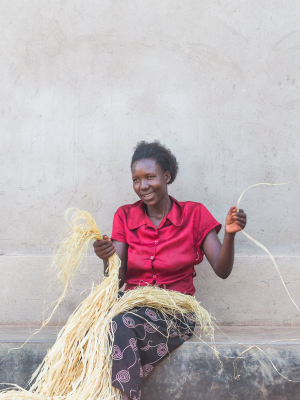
column 79, row 365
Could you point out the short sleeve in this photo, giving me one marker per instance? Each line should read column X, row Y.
column 206, row 222
column 118, row 231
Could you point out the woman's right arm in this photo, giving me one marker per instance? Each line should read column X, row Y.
column 106, row 248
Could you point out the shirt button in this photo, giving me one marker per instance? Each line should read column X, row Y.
column 151, row 258
column 156, row 242
column 154, row 276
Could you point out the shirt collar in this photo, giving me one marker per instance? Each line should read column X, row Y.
column 137, row 214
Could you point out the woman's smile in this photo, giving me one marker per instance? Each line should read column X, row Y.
column 148, row 196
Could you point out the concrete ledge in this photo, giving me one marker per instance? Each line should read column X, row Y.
column 192, row 371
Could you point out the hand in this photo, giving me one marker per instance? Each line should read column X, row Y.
column 104, row 248
column 235, row 221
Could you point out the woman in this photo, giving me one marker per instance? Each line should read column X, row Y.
column 159, row 240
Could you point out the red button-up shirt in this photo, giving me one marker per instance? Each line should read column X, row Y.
column 165, row 255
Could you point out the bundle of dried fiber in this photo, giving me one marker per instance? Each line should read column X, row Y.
column 79, row 365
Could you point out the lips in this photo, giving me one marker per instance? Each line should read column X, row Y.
column 147, row 196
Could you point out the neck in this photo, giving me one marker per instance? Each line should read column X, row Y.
column 161, row 209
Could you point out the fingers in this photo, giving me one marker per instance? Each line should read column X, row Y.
column 239, row 217
column 105, row 240
column 240, row 220
column 240, row 213
column 232, row 210
column 103, row 244
column 104, row 248
column 108, row 253
column 104, row 255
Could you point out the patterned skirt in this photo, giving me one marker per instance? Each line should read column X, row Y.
column 143, row 338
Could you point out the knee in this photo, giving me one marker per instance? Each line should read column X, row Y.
column 118, row 319
column 123, row 324
column 117, row 324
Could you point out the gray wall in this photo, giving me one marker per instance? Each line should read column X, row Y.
column 83, row 81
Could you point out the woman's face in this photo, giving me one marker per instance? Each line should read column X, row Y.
column 149, row 181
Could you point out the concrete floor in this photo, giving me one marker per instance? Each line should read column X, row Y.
column 192, row 371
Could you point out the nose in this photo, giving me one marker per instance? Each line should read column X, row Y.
column 144, row 184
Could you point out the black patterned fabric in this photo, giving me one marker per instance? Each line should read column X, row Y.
column 143, row 338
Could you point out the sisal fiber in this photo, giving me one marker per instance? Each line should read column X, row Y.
column 263, row 247
column 79, row 365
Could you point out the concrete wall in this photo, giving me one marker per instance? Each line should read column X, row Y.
column 83, row 81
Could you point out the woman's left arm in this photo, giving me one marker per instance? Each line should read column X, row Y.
column 221, row 256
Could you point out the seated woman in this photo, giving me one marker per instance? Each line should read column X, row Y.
column 159, row 241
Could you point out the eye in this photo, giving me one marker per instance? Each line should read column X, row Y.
column 135, row 180
column 150, row 177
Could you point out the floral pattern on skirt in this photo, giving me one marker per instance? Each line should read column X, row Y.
column 143, row 338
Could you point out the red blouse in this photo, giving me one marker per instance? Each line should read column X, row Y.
column 165, row 255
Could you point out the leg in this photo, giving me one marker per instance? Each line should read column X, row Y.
column 126, row 367
column 125, row 396
column 140, row 344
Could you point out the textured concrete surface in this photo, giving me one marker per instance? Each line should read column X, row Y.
column 192, row 371
column 83, row 81
column 252, row 295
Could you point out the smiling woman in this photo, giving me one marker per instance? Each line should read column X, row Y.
column 159, row 241
column 153, row 167
column 149, row 183
column 147, row 178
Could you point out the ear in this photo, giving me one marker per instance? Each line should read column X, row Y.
column 167, row 176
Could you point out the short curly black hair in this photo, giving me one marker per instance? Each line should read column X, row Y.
column 159, row 153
